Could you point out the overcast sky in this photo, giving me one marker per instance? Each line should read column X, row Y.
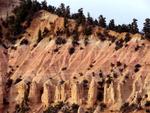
column 123, row 11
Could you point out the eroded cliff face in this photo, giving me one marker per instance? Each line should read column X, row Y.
column 95, row 76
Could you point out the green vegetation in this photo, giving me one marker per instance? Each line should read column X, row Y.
column 86, row 41
column 24, row 42
column 111, row 25
column 102, row 21
column 134, row 27
column 137, row 67
column 147, row 103
column 119, row 44
column 88, row 30
column 127, row 38
column 9, row 83
column 79, row 17
column 27, row 8
column 55, row 108
column 89, row 20
column 71, row 50
column 74, row 108
column 64, row 107
column 18, row 80
column 146, row 28
column 60, row 40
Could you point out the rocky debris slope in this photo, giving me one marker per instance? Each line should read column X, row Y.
column 39, row 75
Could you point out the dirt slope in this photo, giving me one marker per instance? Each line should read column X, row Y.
column 50, row 74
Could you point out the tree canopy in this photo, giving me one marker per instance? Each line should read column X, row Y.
column 27, row 8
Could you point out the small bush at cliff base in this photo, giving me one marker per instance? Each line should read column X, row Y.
column 85, row 83
column 5, row 102
column 119, row 44
column 147, row 103
column 124, row 107
column 88, row 31
column 119, row 63
column 74, row 108
column 86, row 41
column 127, row 38
column 75, row 41
column 60, row 40
column 71, row 50
column 50, row 109
column 55, row 108
column 137, row 48
column 147, row 110
column 18, row 80
column 100, row 96
column 101, row 36
column 102, row 106
column 9, row 83
column 24, row 42
column 137, row 67
column 24, row 107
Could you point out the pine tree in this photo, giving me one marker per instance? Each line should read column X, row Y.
column 63, row 10
column 51, row 9
column 146, row 28
column 125, row 28
column 81, row 16
column 67, row 12
column 111, row 25
column 36, row 6
column 89, row 19
column 96, row 22
column 65, row 22
column 102, row 21
column 122, row 28
column 44, row 5
column 134, row 27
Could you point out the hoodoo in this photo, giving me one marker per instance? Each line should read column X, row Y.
column 52, row 61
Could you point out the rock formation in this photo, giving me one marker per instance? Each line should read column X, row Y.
column 34, row 89
column 76, row 93
column 60, row 92
column 48, row 94
column 21, row 89
column 77, row 74
column 92, row 93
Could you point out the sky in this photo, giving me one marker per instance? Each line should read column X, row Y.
column 123, row 11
